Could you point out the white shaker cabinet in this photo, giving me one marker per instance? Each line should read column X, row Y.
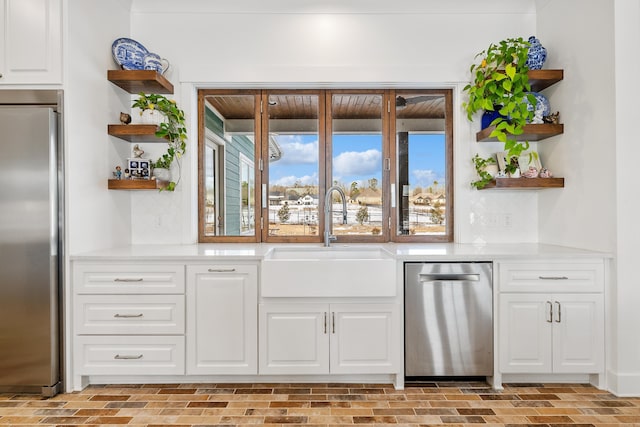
column 551, row 317
column 555, row 333
column 222, row 304
column 31, row 42
column 320, row 338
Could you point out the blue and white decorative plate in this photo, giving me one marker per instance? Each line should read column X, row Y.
column 128, row 53
column 542, row 104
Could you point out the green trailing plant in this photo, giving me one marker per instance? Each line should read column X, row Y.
column 481, row 169
column 173, row 129
column 500, row 81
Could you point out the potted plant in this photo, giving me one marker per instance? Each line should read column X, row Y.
column 172, row 129
column 500, row 81
column 482, row 171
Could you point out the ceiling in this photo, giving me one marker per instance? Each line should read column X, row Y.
column 344, row 106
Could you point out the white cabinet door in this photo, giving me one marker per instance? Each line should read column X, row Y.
column 555, row 333
column 525, row 333
column 31, row 42
column 294, row 338
column 322, row 338
column 363, row 338
column 578, row 336
column 222, row 322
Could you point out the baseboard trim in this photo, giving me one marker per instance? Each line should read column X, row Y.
column 623, row 385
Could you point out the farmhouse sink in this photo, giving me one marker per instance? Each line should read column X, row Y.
column 336, row 271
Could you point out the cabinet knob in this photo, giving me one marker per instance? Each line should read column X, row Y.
column 1, row 75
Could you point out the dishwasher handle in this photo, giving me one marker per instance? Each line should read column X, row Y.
column 449, row 277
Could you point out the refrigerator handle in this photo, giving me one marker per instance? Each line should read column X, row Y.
column 53, row 183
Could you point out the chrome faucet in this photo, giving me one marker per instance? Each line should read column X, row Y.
column 328, row 237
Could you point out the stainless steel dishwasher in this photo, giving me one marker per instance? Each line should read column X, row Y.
column 448, row 319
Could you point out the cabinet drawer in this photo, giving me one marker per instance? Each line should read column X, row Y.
column 551, row 276
column 129, row 314
column 118, row 355
column 128, row 279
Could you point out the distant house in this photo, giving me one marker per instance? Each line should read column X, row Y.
column 307, row 200
column 427, row 199
column 275, row 200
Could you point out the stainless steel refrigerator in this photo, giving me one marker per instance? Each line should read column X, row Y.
column 30, row 242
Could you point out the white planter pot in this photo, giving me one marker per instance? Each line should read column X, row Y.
column 151, row 117
column 162, row 174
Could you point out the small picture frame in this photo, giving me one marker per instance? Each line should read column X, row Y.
column 139, row 168
column 502, row 160
column 528, row 159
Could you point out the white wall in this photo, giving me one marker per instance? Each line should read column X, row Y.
column 97, row 217
column 580, row 215
column 625, row 375
column 361, row 44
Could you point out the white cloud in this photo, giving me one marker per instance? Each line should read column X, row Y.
column 296, row 152
column 288, row 181
column 357, row 163
column 425, row 177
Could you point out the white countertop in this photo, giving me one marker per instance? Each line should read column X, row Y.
column 403, row 251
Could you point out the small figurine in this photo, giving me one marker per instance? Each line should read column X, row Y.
column 125, row 118
column 137, row 151
column 537, row 115
column 127, row 175
column 553, row 118
column 532, row 172
column 545, row 173
column 118, row 172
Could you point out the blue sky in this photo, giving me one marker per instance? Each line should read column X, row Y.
column 356, row 158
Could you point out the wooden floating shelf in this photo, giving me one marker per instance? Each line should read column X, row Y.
column 542, row 79
column 524, row 183
column 132, row 184
column 532, row 132
column 136, row 81
column 135, row 133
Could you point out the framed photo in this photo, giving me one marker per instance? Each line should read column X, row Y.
column 501, row 156
column 527, row 159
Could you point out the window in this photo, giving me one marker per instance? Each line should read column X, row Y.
column 267, row 159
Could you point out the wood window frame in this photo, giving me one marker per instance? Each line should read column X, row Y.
column 449, row 183
column 389, row 173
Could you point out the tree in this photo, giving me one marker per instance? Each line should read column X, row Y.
column 283, row 213
column 417, row 191
column 362, row 215
column 354, row 190
column 436, row 213
column 373, row 184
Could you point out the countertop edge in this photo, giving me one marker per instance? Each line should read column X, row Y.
column 239, row 252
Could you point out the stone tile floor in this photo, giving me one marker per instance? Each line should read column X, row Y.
column 442, row 403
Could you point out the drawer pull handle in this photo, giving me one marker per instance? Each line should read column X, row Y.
column 128, row 280
column 553, row 278
column 127, row 316
column 550, row 317
column 559, row 319
column 127, row 357
column 221, row 270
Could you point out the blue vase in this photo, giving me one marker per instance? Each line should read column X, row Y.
column 489, row 116
column 537, row 54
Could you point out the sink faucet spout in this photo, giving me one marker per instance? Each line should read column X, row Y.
column 328, row 237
